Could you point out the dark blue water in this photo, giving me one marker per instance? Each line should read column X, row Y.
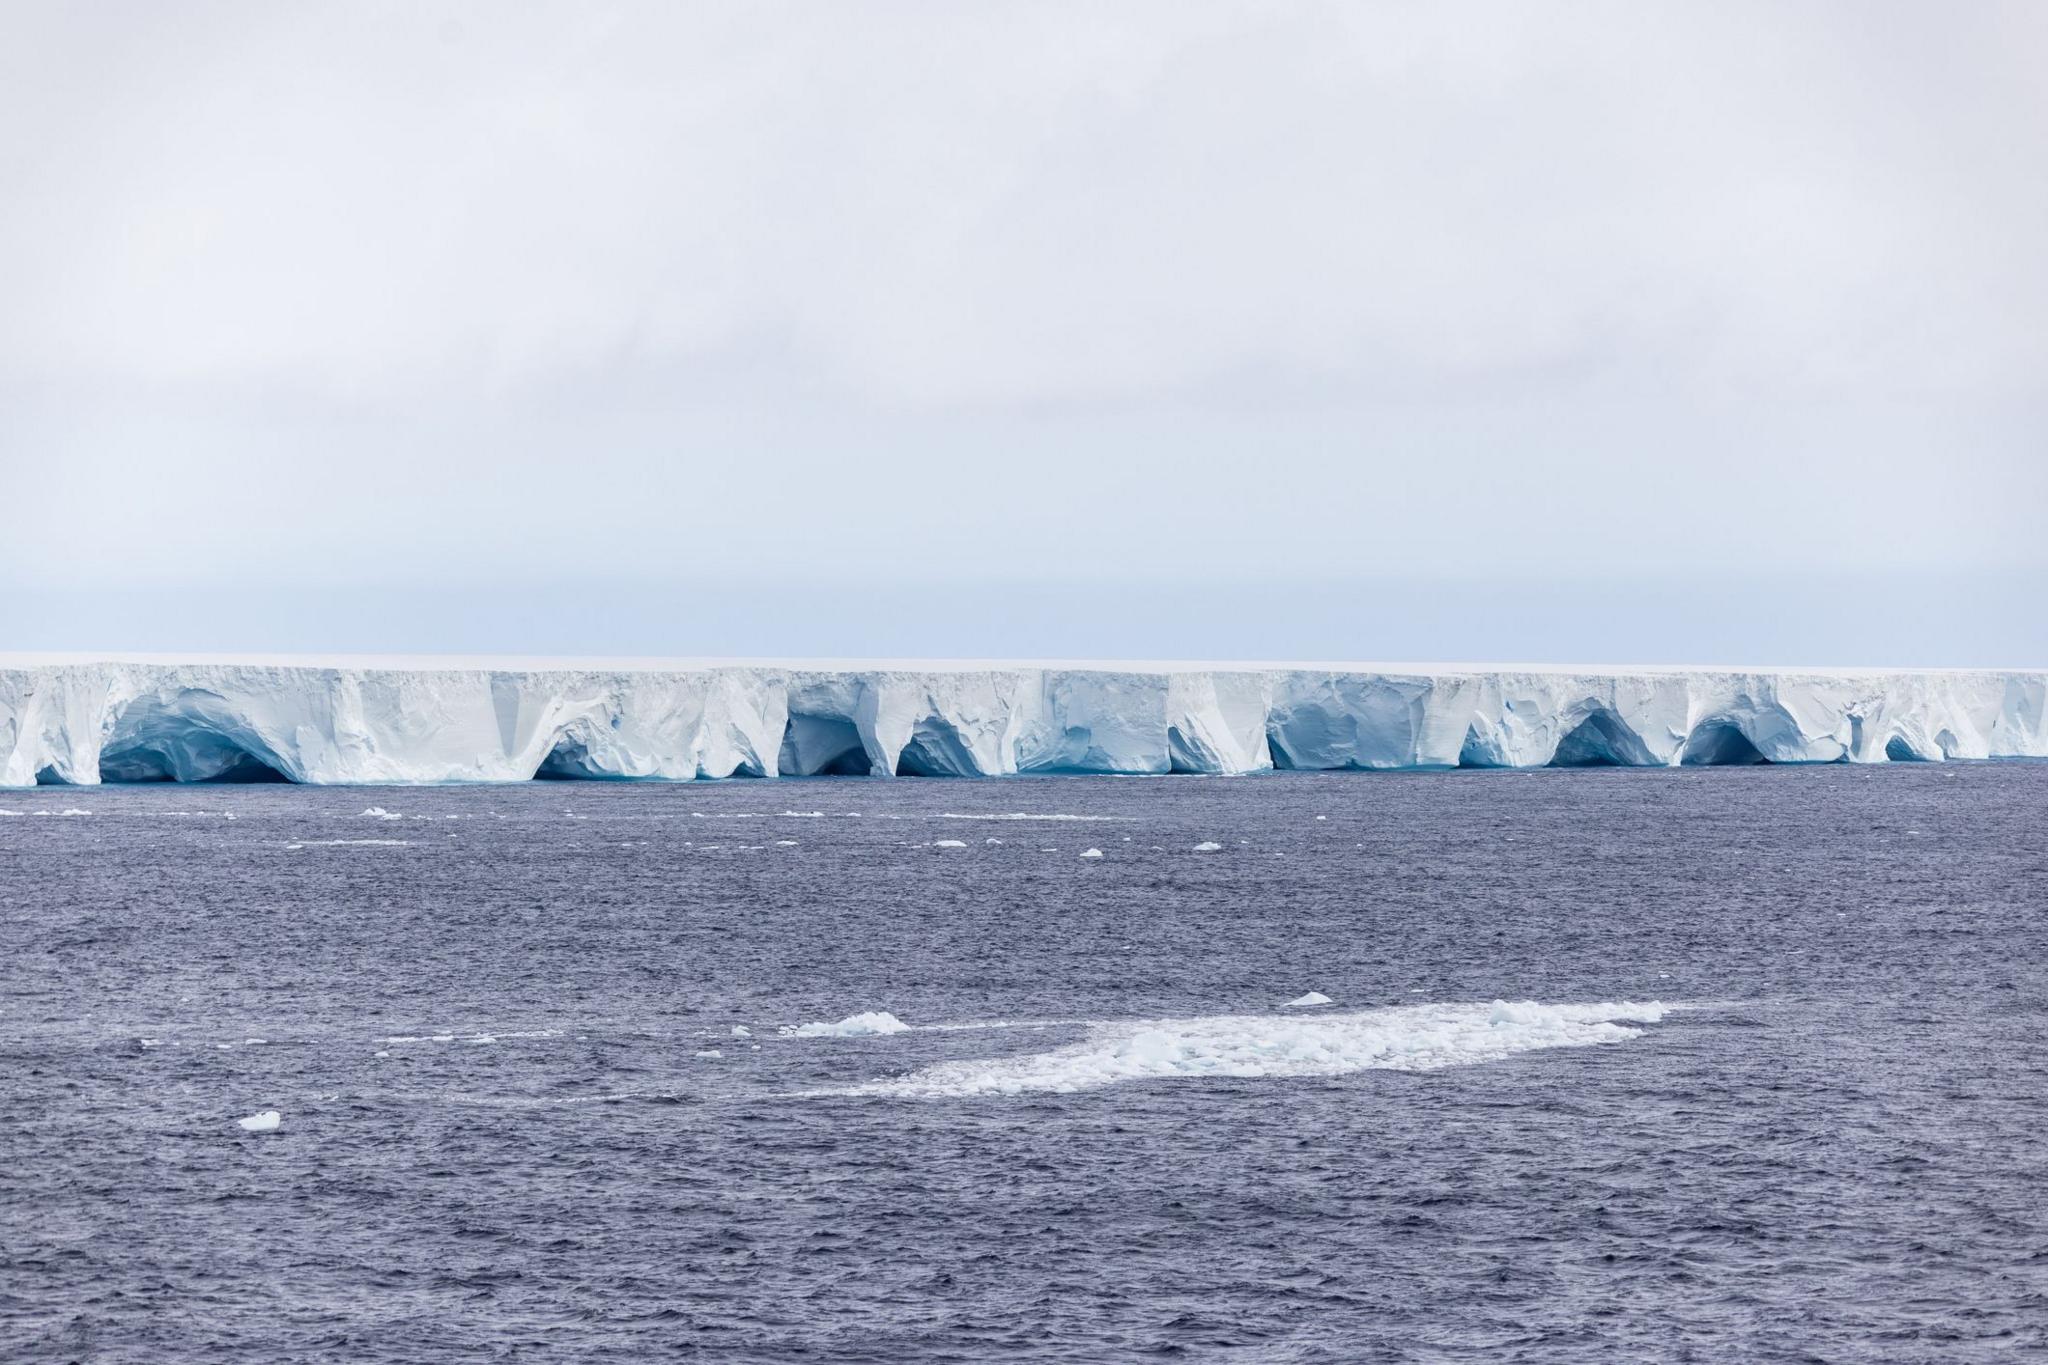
column 1839, row 1154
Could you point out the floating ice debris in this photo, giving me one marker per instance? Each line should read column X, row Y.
column 949, row 843
column 869, row 1025
column 1028, row 815
column 264, row 1122
column 380, row 1054
column 379, row 813
column 1302, row 1001
column 150, row 1042
column 1208, row 846
column 785, row 843
column 1401, row 1038
column 1091, row 853
column 742, row 1031
column 710, row 1054
column 73, row 810
column 4, row 811
column 802, row 814
column 991, row 841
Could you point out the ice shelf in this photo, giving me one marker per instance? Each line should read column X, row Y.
column 86, row 722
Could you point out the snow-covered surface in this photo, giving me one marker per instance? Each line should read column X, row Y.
column 82, row 721
column 1405, row 1038
column 869, row 1025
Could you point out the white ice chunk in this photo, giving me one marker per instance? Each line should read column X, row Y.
column 868, row 1025
column 949, row 843
column 1091, row 853
column 1303, row 1001
column 710, row 1054
column 742, row 1031
column 1208, row 846
column 261, row 1123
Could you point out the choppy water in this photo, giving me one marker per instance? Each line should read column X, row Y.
column 1837, row 1151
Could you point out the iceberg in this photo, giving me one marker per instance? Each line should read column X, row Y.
column 84, row 722
column 264, row 1122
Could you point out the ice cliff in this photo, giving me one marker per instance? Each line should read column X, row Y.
column 123, row 721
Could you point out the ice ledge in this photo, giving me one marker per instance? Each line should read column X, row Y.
column 77, row 720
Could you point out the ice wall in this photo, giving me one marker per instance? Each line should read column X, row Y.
column 91, row 722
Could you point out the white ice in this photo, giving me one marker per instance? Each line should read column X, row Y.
column 1402, row 1038
column 83, row 721
column 1303, row 1001
column 261, row 1123
column 1091, row 853
column 868, row 1025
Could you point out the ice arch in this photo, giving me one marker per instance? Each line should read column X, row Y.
column 187, row 738
column 1719, row 744
column 822, row 746
column 936, row 749
column 1898, row 749
column 1602, row 739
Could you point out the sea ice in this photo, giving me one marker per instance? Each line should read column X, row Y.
column 949, row 843
column 1312, row 998
column 742, row 1031
column 869, row 1025
column 711, row 1054
column 1399, row 1038
column 1208, row 846
column 1091, row 853
column 261, row 1123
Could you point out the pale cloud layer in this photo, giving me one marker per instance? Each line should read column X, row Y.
column 1268, row 294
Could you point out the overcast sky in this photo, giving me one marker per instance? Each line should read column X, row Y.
column 1594, row 332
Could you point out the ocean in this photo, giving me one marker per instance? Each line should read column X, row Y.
column 1690, row 1064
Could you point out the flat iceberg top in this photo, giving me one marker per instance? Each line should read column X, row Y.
column 547, row 663
column 68, row 719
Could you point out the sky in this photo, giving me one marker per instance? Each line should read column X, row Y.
column 1566, row 333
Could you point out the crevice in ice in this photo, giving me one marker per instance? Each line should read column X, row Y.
column 1476, row 752
column 1719, row 744
column 822, row 746
column 50, row 777
column 936, row 749
column 1184, row 755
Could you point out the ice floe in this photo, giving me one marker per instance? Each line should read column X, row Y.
column 869, row 1025
column 1399, row 1038
column 1304, row 1001
column 1091, row 853
column 379, row 813
column 949, row 843
column 264, row 1122
column 1208, row 846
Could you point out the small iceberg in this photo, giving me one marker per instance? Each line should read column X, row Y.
column 379, row 813
column 264, row 1122
column 949, row 843
column 710, row 1054
column 742, row 1031
column 1304, row 1001
column 1207, row 846
column 1092, row 853
column 873, row 1024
